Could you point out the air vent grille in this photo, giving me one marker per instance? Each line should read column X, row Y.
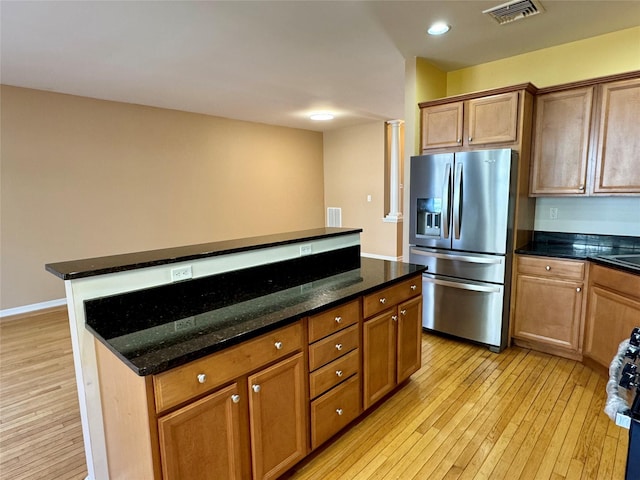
column 334, row 217
column 516, row 10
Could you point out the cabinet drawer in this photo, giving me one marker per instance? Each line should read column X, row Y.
column 327, row 350
column 333, row 320
column 183, row 383
column 388, row 297
column 551, row 267
column 334, row 410
column 330, row 375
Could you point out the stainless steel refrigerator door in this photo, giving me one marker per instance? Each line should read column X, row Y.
column 466, row 309
column 469, row 266
column 481, row 197
column 430, row 197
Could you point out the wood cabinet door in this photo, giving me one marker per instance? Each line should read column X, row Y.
column 561, row 142
column 618, row 159
column 610, row 319
column 409, row 357
column 442, row 126
column 548, row 311
column 278, row 417
column 202, row 440
column 492, row 119
column 379, row 356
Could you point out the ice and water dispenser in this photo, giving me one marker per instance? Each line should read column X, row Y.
column 429, row 218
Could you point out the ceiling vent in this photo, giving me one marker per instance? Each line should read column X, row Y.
column 515, row 10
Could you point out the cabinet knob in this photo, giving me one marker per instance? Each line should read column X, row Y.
column 383, row 300
column 202, row 378
column 235, row 398
column 278, row 345
column 339, row 411
column 338, row 319
column 459, row 140
column 255, row 388
column 547, row 268
column 394, row 318
column 470, row 139
column 581, row 187
column 338, row 346
column 339, row 373
column 578, row 289
column 403, row 312
column 413, row 287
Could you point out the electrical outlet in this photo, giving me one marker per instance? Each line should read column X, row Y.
column 553, row 213
column 305, row 250
column 181, row 273
column 184, row 323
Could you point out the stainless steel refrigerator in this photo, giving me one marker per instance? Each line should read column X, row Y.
column 461, row 214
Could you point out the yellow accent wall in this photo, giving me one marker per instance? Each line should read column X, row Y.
column 608, row 54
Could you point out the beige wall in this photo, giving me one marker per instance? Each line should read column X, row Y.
column 84, row 177
column 354, row 167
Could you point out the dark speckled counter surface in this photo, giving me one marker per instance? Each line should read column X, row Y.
column 150, row 345
column 595, row 248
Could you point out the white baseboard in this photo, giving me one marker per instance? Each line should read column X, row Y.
column 381, row 257
column 34, row 307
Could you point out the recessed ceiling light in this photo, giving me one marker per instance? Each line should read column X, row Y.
column 438, row 28
column 321, row 116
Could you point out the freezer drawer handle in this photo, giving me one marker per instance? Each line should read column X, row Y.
column 463, row 258
column 462, row 286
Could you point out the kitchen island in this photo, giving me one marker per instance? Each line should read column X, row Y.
column 272, row 346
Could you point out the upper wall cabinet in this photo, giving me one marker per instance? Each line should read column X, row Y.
column 618, row 157
column 475, row 120
column 586, row 138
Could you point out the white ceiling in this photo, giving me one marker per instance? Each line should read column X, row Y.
column 271, row 61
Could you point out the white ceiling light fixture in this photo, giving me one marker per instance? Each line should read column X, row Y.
column 438, row 28
column 321, row 116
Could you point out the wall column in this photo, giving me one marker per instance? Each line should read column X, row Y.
column 394, row 215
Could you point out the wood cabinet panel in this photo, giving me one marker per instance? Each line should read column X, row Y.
column 333, row 320
column 561, row 142
column 379, row 357
column 277, row 417
column 493, row 119
column 442, row 126
column 613, row 311
column 409, row 355
column 330, row 348
column 183, row 383
column 332, row 374
column 551, row 267
column 334, row 410
column 387, row 297
column 211, row 429
column 618, row 158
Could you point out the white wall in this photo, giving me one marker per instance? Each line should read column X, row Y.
column 603, row 215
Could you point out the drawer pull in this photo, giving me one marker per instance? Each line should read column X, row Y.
column 338, row 319
column 547, row 268
column 278, row 345
column 202, row 378
column 578, row 289
column 255, row 388
column 338, row 346
column 339, row 411
column 339, row 373
column 383, row 300
column 403, row 312
column 394, row 318
column 235, row 398
column 413, row 287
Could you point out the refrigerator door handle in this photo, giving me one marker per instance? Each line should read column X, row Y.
column 462, row 286
column 458, row 257
column 457, row 203
column 446, row 196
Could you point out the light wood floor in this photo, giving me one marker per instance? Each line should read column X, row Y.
column 467, row 414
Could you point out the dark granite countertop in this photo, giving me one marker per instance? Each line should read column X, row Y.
column 152, row 347
column 595, row 248
column 130, row 261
